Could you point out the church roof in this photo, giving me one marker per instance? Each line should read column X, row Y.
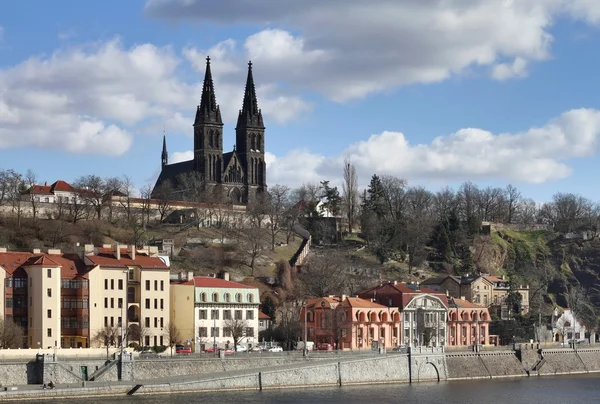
column 250, row 115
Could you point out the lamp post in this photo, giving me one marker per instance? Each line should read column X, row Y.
column 305, row 350
column 214, row 332
column 123, row 319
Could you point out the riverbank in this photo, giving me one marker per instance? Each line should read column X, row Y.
column 336, row 370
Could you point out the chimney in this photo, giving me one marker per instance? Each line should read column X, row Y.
column 190, row 275
column 3, row 249
column 181, row 276
column 45, row 183
column 395, row 283
column 54, row 251
column 417, row 284
column 502, row 277
column 462, row 298
column 118, row 251
column 88, row 249
column 447, row 293
column 132, row 252
column 343, row 298
column 36, row 251
column 106, row 246
column 226, row 276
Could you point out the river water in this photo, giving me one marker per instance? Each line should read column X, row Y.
column 533, row 390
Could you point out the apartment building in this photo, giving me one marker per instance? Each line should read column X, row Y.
column 204, row 308
column 63, row 300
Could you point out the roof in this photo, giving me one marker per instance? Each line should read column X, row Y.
column 359, row 303
column 14, row 263
column 494, row 278
column 210, row 282
column 439, row 280
column 60, row 186
column 106, row 258
column 465, row 304
column 263, row 316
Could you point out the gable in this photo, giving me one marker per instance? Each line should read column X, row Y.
column 234, row 172
column 426, row 301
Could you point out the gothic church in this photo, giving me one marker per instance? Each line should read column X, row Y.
column 240, row 173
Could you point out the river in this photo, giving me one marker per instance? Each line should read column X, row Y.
column 534, row 390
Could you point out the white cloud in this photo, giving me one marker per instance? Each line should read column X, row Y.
column 178, row 157
column 347, row 48
column 534, row 156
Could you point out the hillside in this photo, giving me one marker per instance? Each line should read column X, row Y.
column 546, row 261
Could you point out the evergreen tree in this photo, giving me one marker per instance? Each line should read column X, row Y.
column 375, row 200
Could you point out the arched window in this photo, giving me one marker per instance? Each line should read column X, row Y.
column 238, row 297
column 227, row 297
column 309, row 317
column 215, row 297
column 258, row 143
column 250, row 298
column 362, row 317
column 384, row 317
column 203, row 297
column 252, row 142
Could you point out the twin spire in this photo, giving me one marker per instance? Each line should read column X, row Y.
column 208, row 111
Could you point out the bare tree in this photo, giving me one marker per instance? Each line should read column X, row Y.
column 288, row 325
column 116, row 190
column 350, row 193
column 163, row 194
column 15, row 186
column 513, row 197
column 30, row 181
column 173, row 335
column 284, row 275
column 137, row 332
column 93, row 191
column 107, row 336
column 146, row 195
column 324, row 275
column 275, row 210
column 11, row 334
column 419, row 224
column 569, row 212
column 236, row 329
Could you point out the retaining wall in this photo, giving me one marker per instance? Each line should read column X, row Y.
column 466, row 366
column 561, row 361
column 502, row 364
column 590, row 359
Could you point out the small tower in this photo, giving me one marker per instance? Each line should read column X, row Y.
column 250, row 139
column 208, row 132
column 165, row 156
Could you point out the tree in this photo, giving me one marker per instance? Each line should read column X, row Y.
column 107, row 336
column 163, row 194
column 236, row 329
column 336, row 325
column 513, row 197
column 137, row 332
column 173, row 335
column 11, row 334
column 276, row 208
column 146, row 196
column 324, row 275
column 268, row 307
column 15, row 185
column 93, row 190
column 284, row 275
column 350, row 193
column 30, row 181
column 582, row 308
column 288, row 327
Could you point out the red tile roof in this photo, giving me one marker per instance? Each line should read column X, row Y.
column 263, row 316
column 71, row 265
column 465, row 304
column 357, row 302
column 105, row 257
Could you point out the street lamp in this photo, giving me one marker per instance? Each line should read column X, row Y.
column 123, row 319
column 305, row 350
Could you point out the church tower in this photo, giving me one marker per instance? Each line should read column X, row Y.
column 208, row 133
column 164, row 158
column 250, row 140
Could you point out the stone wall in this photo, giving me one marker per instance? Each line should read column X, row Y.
column 12, row 374
column 590, row 359
column 390, row 368
column 502, row 364
column 465, row 366
column 561, row 361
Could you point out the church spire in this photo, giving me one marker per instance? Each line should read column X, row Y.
column 165, row 155
column 250, row 115
column 208, row 111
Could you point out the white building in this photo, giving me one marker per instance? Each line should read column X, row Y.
column 203, row 307
column 565, row 327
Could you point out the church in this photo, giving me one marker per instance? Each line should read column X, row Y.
column 238, row 174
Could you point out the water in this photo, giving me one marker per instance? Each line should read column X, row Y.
column 534, row 390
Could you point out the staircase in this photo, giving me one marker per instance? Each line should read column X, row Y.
column 538, row 366
column 98, row 373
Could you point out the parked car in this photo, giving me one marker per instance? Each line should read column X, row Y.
column 183, row 349
column 241, row 348
column 324, row 347
column 227, row 351
column 257, row 349
column 400, row 348
column 148, row 355
column 209, row 350
column 276, row 349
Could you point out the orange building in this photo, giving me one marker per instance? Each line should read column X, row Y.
column 341, row 322
column 468, row 323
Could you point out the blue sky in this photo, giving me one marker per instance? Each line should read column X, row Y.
column 431, row 91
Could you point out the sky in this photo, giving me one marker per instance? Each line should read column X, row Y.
column 437, row 92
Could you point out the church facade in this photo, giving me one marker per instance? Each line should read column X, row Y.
column 236, row 176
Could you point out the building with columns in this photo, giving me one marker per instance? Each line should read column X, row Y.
column 468, row 323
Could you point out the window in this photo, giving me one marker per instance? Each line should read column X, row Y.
column 112, row 321
column 49, row 292
column 161, row 340
column 215, row 297
column 155, row 285
column 238, row 297
column 249, row 332
column 106, row 284
column 162, row 285
column 202, row 332
column 227, row 332
column 394, row 332
column 371, row 333
column 147, row 322
column 131, row 275
column 162, row 304
column 576, row 335
column 383, row 333
column 9, row 302
column 155, row 304
column 112, row 302
column 227, row 297
column 120, row 284
column 49, row 313
column 49, row 273
column 250, row 298
column 406, row 316
column 112, row 284
column 249, row 314
column 147, row 285
column 155, row 322
column 238, row 315
column 226, row 314
column 203, row 297
column 49, row 332
column 162, row 323
column 214, row 314
column 119, row 321
column 105, row 303
column 147, row 340
column 202, row 314
column 120, row 302
column 147, row 303
column 106, row 321
column 214, row 332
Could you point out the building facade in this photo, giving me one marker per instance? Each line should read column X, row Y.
column 566, row 327
column 64, row 300
column 468, row 323
column 206, row 309
column 240, row 173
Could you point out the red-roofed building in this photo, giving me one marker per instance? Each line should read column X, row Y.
column 468, row 323
column 264, row 321
column 58, row 192
column 423, row 311
column 342, row 322
column 205, row 309
column 64, row 299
